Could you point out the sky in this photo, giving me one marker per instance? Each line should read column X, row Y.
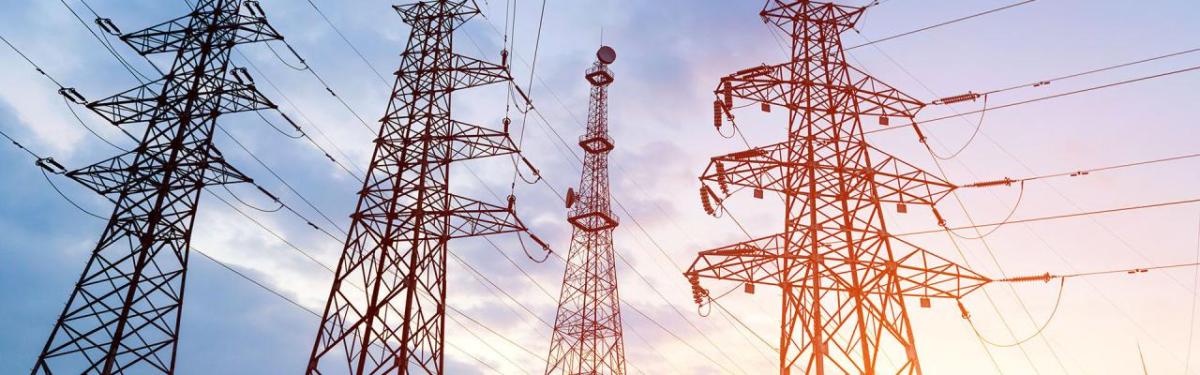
column 671, row 54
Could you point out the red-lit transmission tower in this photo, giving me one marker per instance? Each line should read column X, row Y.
column 587, row 335
column 844, row 279
column 123, row 315
column 386, row 308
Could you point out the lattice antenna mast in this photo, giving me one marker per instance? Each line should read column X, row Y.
column 386, row 307
column 587, row 336
column 843, row 278
column 123, row 314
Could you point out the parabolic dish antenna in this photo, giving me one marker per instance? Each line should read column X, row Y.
column 606, row 55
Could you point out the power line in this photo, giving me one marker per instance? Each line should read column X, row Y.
column 985, row 243
column 1038, row 99
column 940, row 24
column 464, row 263
column 356, row 115
column 1084, row 172
column 1057, row 217
column 1037, row 332
column 80, row 121
column 67, row 94
column 307, row 67
column 303, row 115
column 325, row 84
column 1128, row 271
column 1080, row 172
column 20, row 146
column 64, row 91
column 255, row 282
column 485, row 343
column 483, row 279
column 529, row 86
column 297, row 304
column 672, row 334
column 137, row 75
column 991, row 302
column 327, row 268
column 344, row 39
column 69, row 200
column 489, row 329
column 248, row 278
column 473, row 356
column 1064, row 197
column 281, row 180
column 331, row 270
column 981, row 236
column 1043, row 241
column 1048, row 81
column 273, row 233
column 35, row 65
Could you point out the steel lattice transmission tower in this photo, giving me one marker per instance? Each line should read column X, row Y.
column 386, row 308
column 587, row 336
column 843, row 277
column 123, row 315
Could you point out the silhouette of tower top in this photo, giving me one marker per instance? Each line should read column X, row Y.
column 795, row 16
column 844, row 278
column 587, row 337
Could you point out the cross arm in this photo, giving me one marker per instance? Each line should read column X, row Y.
column 471, row 218
column 474, row 142
column 898, row 181
column 876, row 98
column 154, row 100
column 763, row 84
column 761, row 168
column 471, row 72
column 171, row 36
column 766, row 261
column 764, row 168
column 127, row 173
column 922, row 273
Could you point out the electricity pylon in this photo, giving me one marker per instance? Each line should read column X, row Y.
column 387, row 305
column 844, row 279
column 587, row 336
column 123, row 315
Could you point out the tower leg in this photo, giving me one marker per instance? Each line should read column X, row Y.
column 824, row 331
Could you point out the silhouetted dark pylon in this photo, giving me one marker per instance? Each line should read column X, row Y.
column 123, row 315
column 587, row 336
column 843, row 277
column 386, row 308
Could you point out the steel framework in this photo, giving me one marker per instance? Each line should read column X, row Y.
column 587, row 336
column 123, row 315
column 387, row 305
column 844, row 279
